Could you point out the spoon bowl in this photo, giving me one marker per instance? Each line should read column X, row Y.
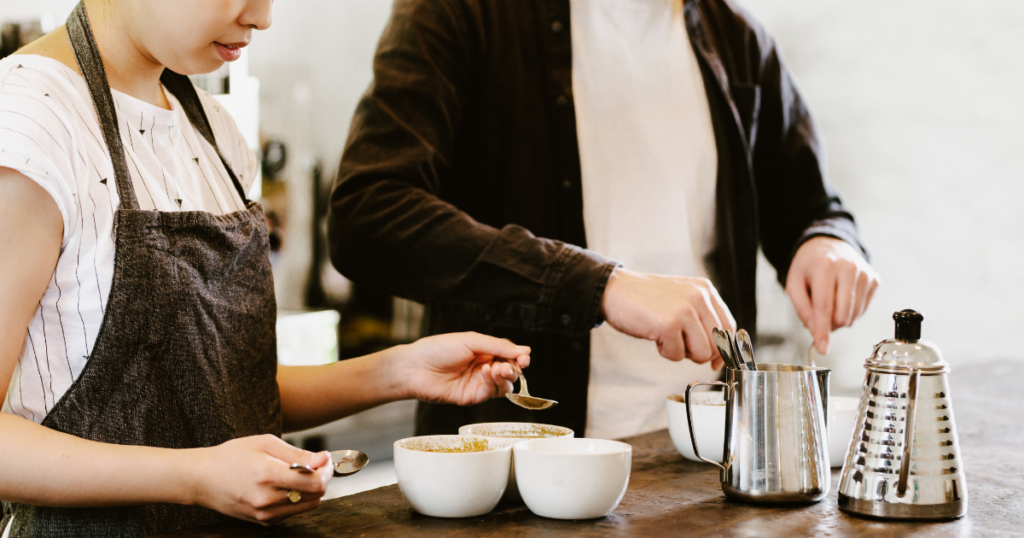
column 524, row 400
column 724, row 348
column 348, row 462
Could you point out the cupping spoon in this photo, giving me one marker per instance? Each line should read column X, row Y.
column 746, row 348
column 524, row 400
column 346, row 463
column 724, row 348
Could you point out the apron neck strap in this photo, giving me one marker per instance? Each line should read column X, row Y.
column 181, row 88
column 91, row 64
column 87, row 55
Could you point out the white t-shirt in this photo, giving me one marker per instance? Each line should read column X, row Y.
column 649, row 164
column 49, row 132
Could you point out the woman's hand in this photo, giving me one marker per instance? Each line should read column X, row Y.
column 460, row 368
column 250, row 478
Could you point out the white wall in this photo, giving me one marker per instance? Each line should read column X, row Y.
column 57, row 10
column 920, row 103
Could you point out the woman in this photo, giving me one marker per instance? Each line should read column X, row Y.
column 137, row 318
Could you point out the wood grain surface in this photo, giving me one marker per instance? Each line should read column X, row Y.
column 670, row 496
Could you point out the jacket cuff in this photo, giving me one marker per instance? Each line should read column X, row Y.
column 577, row 290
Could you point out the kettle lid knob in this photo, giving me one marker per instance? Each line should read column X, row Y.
column 908, row 325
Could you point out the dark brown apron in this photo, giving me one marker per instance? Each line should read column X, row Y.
column 186, row 355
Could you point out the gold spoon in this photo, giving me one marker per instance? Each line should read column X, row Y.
column 524, row 400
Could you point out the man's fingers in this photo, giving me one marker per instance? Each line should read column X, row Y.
column 846, row 299
column 725, row 318
column 871, row 292
column 823, row 292
column 799, row 293
column 709, row 319
column 863, row 281
column 671, row 346
column 698, row 343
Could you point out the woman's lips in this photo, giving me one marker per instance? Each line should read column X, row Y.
column 231, row 51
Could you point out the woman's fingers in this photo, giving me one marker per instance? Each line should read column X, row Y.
column 283, row 476
column 482, row 344
column 283, row 510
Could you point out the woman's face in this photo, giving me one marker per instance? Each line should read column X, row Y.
column 194, row 36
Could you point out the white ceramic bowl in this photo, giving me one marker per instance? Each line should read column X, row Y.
column 708, row 424
column 511, row 433
column 570, row 478
column 452, row 484
column 842, row 420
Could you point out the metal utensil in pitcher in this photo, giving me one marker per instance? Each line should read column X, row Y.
column 776, row 442
column 904, row 460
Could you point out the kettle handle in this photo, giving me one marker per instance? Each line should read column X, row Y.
column 689, row 423
column 908, row 431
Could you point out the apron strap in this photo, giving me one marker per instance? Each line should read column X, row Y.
column 182, row 88
column 91, row 64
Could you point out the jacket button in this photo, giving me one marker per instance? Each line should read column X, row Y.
column 576, row 346
column 562, row 100
column 556, row 27
column 566, row 185
column 566, row 320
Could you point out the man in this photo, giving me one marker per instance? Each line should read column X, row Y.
column 508, row 151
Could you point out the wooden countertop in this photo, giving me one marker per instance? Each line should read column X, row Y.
column 671, row 496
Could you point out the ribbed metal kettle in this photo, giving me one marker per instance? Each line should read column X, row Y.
column 904, row 460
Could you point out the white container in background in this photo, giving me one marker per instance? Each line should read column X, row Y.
column 708, row 423
column 842, row 419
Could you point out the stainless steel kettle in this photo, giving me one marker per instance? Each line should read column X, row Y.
column 904, row 460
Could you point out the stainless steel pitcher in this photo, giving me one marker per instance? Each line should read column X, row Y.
column 904, row 459
column 776, row 444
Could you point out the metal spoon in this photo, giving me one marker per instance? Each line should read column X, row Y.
column 524, row 400
column 724, row 349
column 346, row 463
column 734, row 349
column 746, row 348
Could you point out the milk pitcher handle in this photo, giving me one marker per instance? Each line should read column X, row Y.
column 908, row 431
column 689, row 422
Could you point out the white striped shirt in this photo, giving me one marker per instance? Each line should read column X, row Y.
column 49, row 132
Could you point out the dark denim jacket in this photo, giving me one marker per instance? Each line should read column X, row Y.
column 460, row 182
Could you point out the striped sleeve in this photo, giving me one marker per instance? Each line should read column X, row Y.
column 37, row 140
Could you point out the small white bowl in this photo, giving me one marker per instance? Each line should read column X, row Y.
column 570, row 478
column 452, row 484
column 842, row 420
column 511, row 433
column 708, row 424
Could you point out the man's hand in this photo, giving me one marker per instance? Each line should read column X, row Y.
column 676, row 312
column 831, row 285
